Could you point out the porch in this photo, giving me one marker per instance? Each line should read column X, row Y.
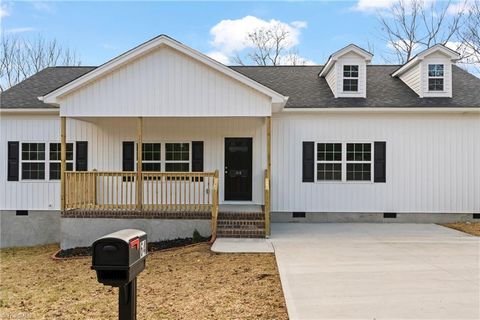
column 141, row 192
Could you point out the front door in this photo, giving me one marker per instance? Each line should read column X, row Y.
column 238, row 169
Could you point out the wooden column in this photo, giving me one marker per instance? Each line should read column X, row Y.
column 63, row 158
column 268, row 175
column 139, row 194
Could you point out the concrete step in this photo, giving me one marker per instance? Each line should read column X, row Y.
column 241, row 233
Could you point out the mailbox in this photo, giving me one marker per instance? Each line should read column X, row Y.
column 119, row 257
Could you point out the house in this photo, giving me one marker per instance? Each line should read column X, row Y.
column 165, row 139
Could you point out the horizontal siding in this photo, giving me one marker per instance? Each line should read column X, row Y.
column 432, row 163
column 166, row 83
column 105, row 138
column 332, row 80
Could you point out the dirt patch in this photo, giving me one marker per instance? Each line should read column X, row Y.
column 472, row 228
column 184, row 283
column 152, row 247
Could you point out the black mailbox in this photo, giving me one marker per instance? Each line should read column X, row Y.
column 119, row 257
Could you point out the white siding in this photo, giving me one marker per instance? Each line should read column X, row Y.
column 412, row 79
column 332, row 80
column 166, row 83
column 105, row 138
column 432, row 163
column 351, row 59
column 437, row 58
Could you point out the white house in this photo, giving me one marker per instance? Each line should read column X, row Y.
column 165, row 139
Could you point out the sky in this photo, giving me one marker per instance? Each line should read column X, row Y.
column 101, row 30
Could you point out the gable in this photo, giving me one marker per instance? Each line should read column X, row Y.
column 165, row 82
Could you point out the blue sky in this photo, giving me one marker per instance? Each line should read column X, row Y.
column 99, row 31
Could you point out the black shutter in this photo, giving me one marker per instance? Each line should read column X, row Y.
column 308, row 167
column 128, row 152
column 81, row 158
column 197, row 156
column 380, row 161
column 13, row 160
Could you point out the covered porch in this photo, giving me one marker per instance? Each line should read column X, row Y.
column 134, row 167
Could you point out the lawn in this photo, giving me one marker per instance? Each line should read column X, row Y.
column 183, row 283
column 472, row 228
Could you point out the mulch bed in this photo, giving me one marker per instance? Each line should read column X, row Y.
column 152, row 247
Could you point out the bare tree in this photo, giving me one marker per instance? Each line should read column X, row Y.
column 23, row 57
column 410, row 25
column 271, row 46
column 470, row 36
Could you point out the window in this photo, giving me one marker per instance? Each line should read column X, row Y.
column 151, row 156
column 359, row 161
column 177, row 157
column 33, row 161
column 56, row 157
column 435, row 77
column 350, row 78
column 329, row 161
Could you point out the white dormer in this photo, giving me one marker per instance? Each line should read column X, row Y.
column 429, row 73
column 346, row 72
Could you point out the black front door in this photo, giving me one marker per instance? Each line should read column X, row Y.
column 238, row 169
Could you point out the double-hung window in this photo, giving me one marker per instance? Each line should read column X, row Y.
column 350, row 78
column 435, row 77
column 55, row 160
column 33, row 161
column 329, row 161
column 151, row 157
column 177, row 157
column 359, row 161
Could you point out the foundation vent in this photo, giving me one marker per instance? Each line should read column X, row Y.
column 21, row 213
column 298, row 214
column 389, row 215
column 476, row 216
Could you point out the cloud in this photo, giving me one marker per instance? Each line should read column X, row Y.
column 471, row 56
column 109, row 46
column 42, row 6
column 4, row 11
column 373, row 5
column 219, row 56
column 460, row 7
column 230, row 37
column 19, row 30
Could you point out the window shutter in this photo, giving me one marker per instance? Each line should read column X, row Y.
column 308, row 162
column 128, row 163
column 13, row 160
column 197, row 156
column 81, row 156
column 380, row 161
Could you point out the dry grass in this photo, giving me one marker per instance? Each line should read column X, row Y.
column 185, row 283
column 472, row 228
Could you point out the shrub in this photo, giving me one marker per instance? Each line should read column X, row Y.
column 196, row 237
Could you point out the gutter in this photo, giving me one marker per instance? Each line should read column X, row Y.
column 54, row 111
column 472, row 110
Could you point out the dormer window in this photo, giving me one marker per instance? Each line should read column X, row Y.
column 350, row 78
column 435, row 77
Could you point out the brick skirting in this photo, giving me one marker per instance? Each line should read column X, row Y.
column 131, row 214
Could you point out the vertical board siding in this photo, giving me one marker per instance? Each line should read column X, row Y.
column 431, row 163
column 105, row 137
column 166, row 83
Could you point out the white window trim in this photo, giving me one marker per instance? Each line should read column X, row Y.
column 435, row 77
column 47, row 165
column 154, row 161
column 350, row 78
column 344, row 163
column 328, row 162
column 163, row 155
column 177, row 161
column 21, row 162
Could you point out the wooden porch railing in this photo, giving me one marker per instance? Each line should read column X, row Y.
column 165, row 191
column 267, row 203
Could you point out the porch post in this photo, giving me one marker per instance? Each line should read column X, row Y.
column 139, row 195
column 63, row 157
column 268, row 175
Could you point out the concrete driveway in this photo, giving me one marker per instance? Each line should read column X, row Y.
column 377, row 271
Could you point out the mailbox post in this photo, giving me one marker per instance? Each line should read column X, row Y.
column 118, row 258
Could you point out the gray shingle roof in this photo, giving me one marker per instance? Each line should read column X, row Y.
column 25, row 94
column 307, row 90
column 300, row 83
